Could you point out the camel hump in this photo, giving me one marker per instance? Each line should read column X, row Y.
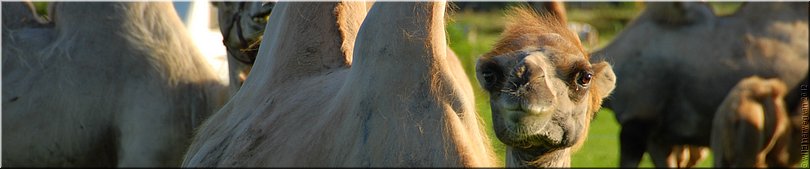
column 679, row 13
column 770, row 10
column 73, row 18
column 401, row 38
column 305, row 38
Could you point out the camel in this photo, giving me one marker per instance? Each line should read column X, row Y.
column 749, row 123
column 328, row 91
column 677, row 61
column 242, row 25
column 103, row 84
column 543, row 89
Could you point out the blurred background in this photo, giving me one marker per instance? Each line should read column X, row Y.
column 473, row 27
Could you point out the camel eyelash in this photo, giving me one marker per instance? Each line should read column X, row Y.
column 575, row 74
column 576, row 70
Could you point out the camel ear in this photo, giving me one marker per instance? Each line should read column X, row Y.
column 555, row 8
column 679, row 13
column 488, row 72
column 605, row 79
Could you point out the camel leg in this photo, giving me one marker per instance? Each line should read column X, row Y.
column 633, row 141
column 661, row 153
column 686, row 156
column 679, row 156
column 696, row 155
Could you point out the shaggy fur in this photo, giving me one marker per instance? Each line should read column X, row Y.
column 513, row 39
column 105, row 84
column 540, row 111
column 677, row 61
column 396, row 103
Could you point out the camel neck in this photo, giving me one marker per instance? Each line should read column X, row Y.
column 524, row 158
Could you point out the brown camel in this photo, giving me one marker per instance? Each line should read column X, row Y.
column 543, row 89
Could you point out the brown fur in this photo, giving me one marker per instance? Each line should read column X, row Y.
column 397, row 102
column 555, row 7
column 522, row 21
column 553, row 56
column 539, row 23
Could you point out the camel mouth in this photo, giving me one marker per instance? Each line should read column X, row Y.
column 549, row 137
column 527, row 109
column 246, row 49
column 530, row 128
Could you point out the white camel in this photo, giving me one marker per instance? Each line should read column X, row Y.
column 104, row 84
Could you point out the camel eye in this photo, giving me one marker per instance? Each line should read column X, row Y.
column 584, row 78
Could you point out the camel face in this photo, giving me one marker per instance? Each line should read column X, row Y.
column 543, row 88
column 242, row 25
column 245, row 20
column 539, row 94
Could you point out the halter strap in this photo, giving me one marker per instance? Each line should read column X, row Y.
column 244, row 47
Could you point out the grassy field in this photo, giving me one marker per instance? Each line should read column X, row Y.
column 472, row 34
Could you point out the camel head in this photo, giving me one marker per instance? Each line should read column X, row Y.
column 242, row 25
column 543, row 88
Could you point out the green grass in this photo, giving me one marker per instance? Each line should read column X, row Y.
column 601, row 149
